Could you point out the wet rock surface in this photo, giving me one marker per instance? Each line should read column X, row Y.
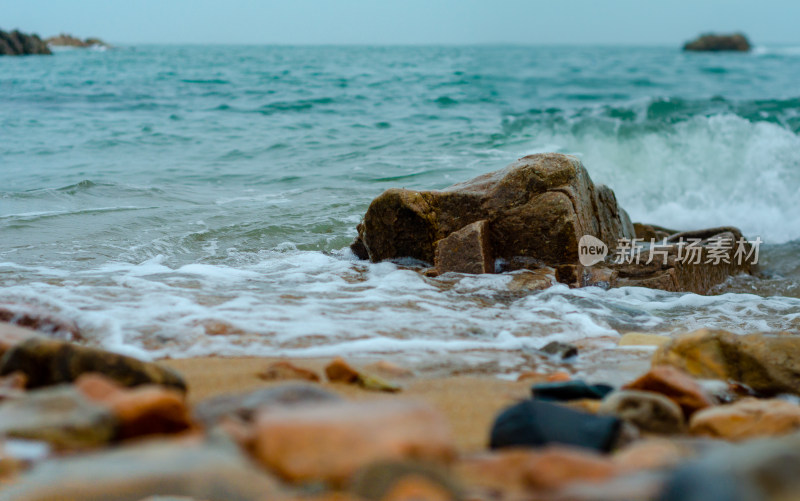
column 468, row 250
column 48, row 362
column 767, row 363
column 535, row 214
column 538, row 207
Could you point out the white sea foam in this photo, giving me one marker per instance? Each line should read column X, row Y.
column 307, row 303
column 707, row 171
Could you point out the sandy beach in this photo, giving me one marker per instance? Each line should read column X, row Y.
column 469, row 402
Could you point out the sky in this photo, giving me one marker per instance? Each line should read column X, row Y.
column 627, row 22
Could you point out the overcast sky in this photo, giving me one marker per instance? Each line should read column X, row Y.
column 662, row 22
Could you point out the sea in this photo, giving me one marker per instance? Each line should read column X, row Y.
column 183, row 201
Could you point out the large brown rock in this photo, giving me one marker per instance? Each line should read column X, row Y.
column 767, row 363
column 533, row 215
column 48, row 362
column 539, row 206
column 330, row 442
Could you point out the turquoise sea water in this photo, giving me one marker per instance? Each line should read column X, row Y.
column 161, row 195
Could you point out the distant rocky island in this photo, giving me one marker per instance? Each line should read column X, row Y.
column 711, row 42
column 66, row 40
column 15, row 43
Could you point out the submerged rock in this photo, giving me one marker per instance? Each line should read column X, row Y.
column 467, row 250
column 711, row 42
column 49, row 362
column 543, row 211
column 560, row 350
column 14, row 43
column 769, row 364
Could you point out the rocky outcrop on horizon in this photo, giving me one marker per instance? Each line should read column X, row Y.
column 540, row 213
column 711, row 42
column 66, row 40
column 15, row 43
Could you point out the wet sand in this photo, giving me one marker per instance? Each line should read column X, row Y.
column 470, row 402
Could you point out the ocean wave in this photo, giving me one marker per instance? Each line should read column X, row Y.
column 673, row 165
column 38, row 215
